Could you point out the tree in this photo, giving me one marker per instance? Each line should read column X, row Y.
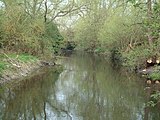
column 149, row 12
column 150, row 15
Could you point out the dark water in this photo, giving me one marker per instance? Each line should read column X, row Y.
column 89, row 88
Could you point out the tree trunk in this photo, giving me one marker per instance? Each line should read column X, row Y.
column 46, row 10
column 149, row 12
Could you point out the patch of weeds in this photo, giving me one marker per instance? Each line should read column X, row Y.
column 154, row 99
column 136, row 57
column 154, row 76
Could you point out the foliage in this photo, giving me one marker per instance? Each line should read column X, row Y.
column 52, row 34
column 86, row 34
column 154, row 99
column 23, row 32
column 136, row 57
column 124, row 26
column 99, row 26
column 120, row 31
column 115, row 28
column 154, row 76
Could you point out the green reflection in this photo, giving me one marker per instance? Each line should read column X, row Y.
column 100, row 92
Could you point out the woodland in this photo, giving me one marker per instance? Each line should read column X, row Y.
column 127, row 31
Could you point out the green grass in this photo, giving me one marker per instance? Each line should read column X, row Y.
column 23, row 57
column 27, row 58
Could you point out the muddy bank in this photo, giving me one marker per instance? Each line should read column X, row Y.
column 19, row 69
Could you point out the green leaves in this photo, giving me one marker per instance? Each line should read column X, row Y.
column 53, row 35
column 154, row 76
column 154, row 99
column 23, row 28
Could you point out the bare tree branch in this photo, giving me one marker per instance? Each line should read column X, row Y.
column 46, row 10
column 66, row 12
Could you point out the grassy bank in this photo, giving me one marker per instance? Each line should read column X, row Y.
column 14, row 66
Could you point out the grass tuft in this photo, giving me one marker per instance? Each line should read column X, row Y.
column 27, row 58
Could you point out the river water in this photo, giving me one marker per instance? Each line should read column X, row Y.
column 89, row 88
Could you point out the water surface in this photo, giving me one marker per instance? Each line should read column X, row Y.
column 89, row 88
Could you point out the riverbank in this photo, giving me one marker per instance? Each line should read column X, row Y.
column 16, row 66
column 145, row 66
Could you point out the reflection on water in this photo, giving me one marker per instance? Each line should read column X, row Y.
column 88, row 89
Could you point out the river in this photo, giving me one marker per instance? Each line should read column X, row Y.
column 89, row 88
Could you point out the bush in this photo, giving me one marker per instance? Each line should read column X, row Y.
column 22, row 33
column 136, row 57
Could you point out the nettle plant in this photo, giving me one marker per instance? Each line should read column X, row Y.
column 154, row 99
